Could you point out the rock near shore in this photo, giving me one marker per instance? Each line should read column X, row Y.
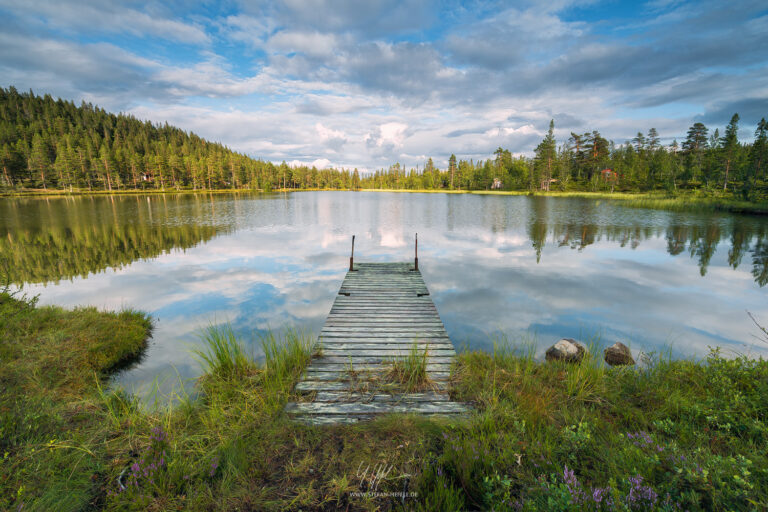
column 567, row 349
column 618, row 354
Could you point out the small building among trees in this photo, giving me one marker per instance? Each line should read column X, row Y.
column 545, row 184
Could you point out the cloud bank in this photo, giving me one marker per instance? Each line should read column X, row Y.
column 367, row 84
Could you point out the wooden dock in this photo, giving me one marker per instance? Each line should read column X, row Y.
column 382, row 309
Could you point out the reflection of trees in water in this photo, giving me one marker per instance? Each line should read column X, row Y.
column 538, row 227
column 701, row 240
column 49, row 240
column 760, row 260
column 703, row 244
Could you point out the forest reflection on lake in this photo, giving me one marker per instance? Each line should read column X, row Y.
column 537, row 268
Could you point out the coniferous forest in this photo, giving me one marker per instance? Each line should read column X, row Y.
column 54, row 144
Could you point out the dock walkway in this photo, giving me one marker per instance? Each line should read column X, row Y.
column 382, row 309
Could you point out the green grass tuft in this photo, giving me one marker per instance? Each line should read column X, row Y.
column 223, row 356
column 410, row 371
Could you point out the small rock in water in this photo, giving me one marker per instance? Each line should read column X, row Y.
column 618, row 354
column 567, row 349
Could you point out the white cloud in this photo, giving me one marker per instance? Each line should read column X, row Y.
column 334, row 139
column 387, row 135
column 365, row 85
column 313, row 44
column 107, row 17
column 252, row 30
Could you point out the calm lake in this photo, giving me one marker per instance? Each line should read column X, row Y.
column 529, row 268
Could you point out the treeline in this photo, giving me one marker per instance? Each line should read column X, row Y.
column 47, row 143
column 704, row 160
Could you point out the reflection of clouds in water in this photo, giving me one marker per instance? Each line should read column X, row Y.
column 607, row 292
column 604, row 270
column 391, row 238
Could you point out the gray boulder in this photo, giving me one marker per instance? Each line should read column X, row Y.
column 567, row 349
column 618, row 354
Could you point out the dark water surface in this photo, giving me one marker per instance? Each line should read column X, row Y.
column 533, row 268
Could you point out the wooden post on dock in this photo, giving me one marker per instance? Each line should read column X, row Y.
column 416, row 257
column 352, row 256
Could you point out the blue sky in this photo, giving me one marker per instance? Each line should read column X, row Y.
column 366, row 84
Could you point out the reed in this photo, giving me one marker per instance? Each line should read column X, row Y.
column 223, row 355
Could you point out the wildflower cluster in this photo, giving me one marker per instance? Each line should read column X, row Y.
column 640, row 497
column 643, row 440
column 143, row 474
column 595, row 498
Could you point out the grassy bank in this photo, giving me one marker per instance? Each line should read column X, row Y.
column 672, row 435
column 52, row 421
column 659, row 201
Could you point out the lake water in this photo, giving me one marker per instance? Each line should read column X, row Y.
column 531, row 268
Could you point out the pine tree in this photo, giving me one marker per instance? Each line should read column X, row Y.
column 452, row 167
column 759, row 152
column 546, row 152
column 61, row 164
column 39, row 158
column 11, row 163
column 694, row 146
column 106, row 160
column 640, row 142
column 653, row 140
column 730, row 145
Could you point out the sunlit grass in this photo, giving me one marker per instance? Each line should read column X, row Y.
column 223, row 355
column 683, row 201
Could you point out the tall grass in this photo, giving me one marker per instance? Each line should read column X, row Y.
column 285, row 358
column 684, row 203
column 410, row 371
column 224, row 356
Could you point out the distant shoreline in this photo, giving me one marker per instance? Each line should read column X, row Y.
column 682, row 202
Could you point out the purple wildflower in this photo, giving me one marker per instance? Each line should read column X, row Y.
column 602, row 495
column 214, row 465
column 158, row 435
column 574, row 486
column 640, row 497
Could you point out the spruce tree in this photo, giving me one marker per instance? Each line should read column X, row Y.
column 730, row 146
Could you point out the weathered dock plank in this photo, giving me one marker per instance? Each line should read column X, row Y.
column 328, row 408
column 311, row 386
column 382, row 311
